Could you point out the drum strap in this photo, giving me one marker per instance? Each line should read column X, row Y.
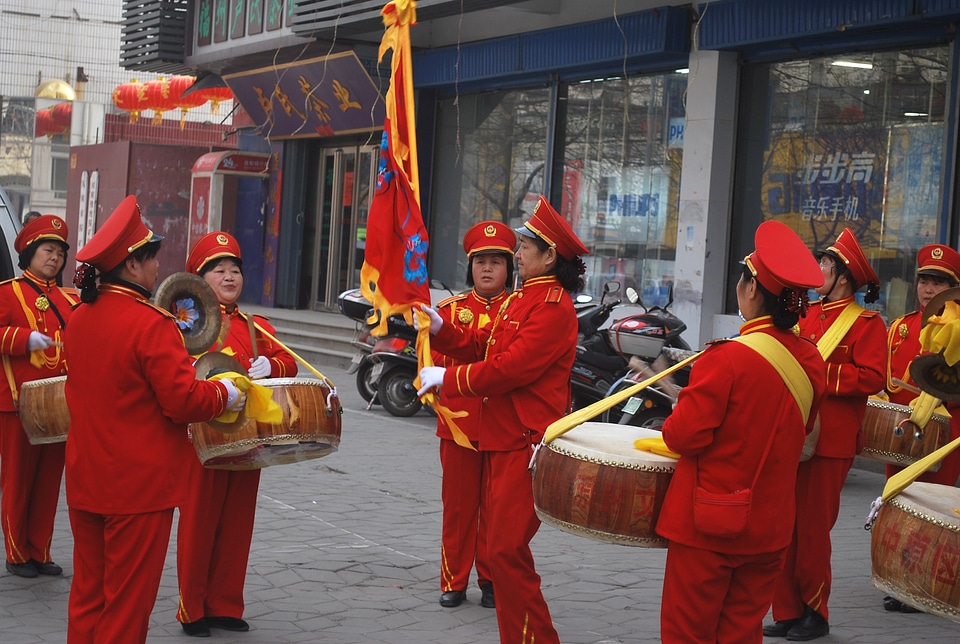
column 844, row 322
column 794, row 377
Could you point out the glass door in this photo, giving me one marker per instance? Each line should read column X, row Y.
column 346, row 181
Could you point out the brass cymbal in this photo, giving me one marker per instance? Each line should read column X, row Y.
column 934, row 376
column 214, row 362
column 935, row 306
column 191, row 300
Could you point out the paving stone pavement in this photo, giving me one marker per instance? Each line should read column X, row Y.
column 346, row 551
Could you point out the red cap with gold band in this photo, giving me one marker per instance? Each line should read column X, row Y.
column 781, row 260
column 122, row 233
column 489, row 237
column 43, row 227
column 215, row 245
column 848, row 250
column 547, row 224
column 939, row 261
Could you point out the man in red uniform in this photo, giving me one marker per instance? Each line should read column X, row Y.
column 851, row 340
column 33, row 313
column 520, row 371
column 938, row 268
column 489, row 246
column 131, row 390
column 216, row 523
column 718, row 588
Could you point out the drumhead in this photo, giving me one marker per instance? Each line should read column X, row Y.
column 935, row 503
column 610, row 444
column 43, row 382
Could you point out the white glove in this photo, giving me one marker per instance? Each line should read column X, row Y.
column 435, row 320
column 259, row 368
column 430, row 377
column 236, row 399
column 38, row 341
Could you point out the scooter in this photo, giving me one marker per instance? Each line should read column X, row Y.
column 353, row 305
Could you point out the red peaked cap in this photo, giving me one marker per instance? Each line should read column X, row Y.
column 215, row 245
column 122, row 233
column 547, row 224
column 781, row 260
column 43, row 227
column 849, row 252
column 488, row 237
column 940, row 261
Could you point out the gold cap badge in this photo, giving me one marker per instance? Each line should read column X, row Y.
column 937, row 253
column 222, row 240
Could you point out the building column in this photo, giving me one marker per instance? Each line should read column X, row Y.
column 706, row 194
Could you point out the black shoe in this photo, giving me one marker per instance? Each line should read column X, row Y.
column 453, row 598
column 25, row 569
column 891, row 604
column 228, row 624
column 47, row 568
column 781, row 628
column 198, row 628
column 811, row 626
column 487, row 599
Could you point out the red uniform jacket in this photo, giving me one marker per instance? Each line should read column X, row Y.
column 855, row 370
column 522, row 373
column 903, row 345
column 236, row 336
column 720, row 427
column 467, row 311
column 131, row 390
column 19, row 315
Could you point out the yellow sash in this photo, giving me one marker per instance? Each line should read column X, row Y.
column 794, row 377
column 829, row 340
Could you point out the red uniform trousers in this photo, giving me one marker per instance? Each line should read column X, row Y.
column 463, row 523
column 130, row 550
column 522, row 613
column 30, row 477
column 213, row 542
column 714, row 597
column 819, row 483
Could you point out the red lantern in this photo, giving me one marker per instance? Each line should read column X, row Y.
column 179, row 85
column 44, row 123
column 62, row 117
column 215, row 95
column 159, row 98
column 130, row 97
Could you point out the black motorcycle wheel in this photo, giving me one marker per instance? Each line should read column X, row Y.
column 397, row 393
column 365, row 384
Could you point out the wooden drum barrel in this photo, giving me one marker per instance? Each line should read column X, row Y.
column 881, row 442
column 593, row 482
column 43, row 410
column 915, row 549
column 310, row 429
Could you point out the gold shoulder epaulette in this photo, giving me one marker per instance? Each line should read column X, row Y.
column 867, row 313
column 447, row 301
column 554, row 294
column 12, row 279
column 153, row 306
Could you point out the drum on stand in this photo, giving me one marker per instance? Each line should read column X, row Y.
column 592, row 482
column 886, row 440
column 915, row 548
column 43, row 410
column 310, row 429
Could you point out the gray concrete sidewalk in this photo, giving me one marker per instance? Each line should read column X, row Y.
column 346, row 551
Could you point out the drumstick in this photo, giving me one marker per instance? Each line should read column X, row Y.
column 253, row 335
column 559, row 427
column 291, row 352
column 905, row 385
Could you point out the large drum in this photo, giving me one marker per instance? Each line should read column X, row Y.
column 915, row 548
column 885, row 440
column 593, row 482
column 310, row 429
column 43, row 410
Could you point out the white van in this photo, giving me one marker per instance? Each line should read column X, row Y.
column 9, row 227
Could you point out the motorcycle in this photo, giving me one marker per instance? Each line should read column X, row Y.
column 387, row 365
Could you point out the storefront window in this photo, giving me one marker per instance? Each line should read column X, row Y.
column 852, row 140
column 491, row 156
column 622, row 150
